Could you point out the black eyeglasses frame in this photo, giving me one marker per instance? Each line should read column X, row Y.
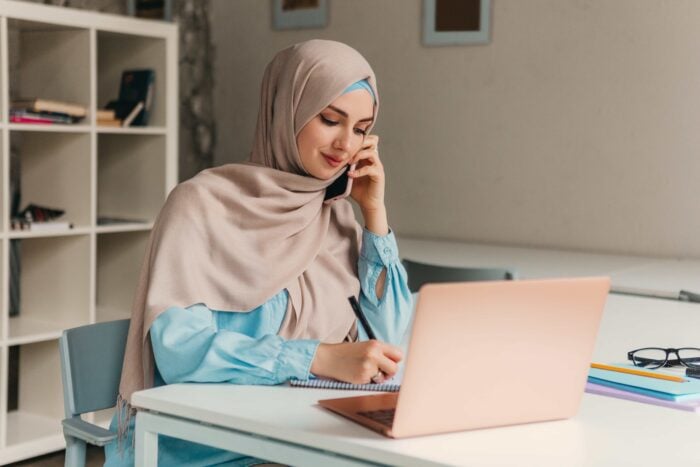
column 646, row 362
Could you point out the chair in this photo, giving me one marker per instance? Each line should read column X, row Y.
column 91, row 367
column 421, row 273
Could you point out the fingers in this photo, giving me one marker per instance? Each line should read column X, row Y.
column 371, row 170
column 371, row 142
column 387, row 366
column 368, row 151
column 393, row 352
column 369, row 156
column 382, row 358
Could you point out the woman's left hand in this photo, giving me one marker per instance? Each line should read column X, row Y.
column 368, row 177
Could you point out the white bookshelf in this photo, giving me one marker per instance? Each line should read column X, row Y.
column 86, row 274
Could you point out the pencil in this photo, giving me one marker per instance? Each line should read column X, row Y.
column 360, row 316
column 648, row 374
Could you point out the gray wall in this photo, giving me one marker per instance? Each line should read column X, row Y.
column 576, row 127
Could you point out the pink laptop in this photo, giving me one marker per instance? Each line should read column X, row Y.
column 487, row 354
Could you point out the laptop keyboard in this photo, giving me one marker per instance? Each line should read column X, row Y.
column 384, row 416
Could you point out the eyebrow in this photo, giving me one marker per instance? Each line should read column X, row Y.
column 345, row 114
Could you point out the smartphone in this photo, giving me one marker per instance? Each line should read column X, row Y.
column 341, row 187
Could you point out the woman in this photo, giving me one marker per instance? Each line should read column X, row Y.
column 248, row 272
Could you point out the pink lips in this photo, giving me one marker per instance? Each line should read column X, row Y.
column 332, row 161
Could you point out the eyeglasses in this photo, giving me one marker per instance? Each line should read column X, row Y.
column 656, row 357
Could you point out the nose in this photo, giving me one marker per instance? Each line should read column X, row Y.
column 343, row 140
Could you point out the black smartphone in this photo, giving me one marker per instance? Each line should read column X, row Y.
column 692, row 372
column 341, row 186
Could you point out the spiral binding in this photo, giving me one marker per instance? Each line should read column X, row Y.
column 332, row 384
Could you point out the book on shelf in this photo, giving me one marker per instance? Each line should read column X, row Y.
column 46, row 105
column 112, row 122
column 138, row 86
column 105, row 114
column 129, row 120
column 31, row 121
column 28, row 116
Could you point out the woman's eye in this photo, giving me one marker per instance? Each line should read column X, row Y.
column 327, row 121
column 360, row 131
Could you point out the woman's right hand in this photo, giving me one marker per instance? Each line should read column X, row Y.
column 356, row 362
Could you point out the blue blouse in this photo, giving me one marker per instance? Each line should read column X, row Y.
column 196, row 344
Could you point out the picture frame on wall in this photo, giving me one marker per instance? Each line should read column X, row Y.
column 456, row 22
column 299, row 14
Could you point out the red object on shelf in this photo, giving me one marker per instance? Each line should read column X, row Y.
column 42, row 121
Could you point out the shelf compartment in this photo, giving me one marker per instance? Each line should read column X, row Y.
column 119, row 259
column 130, row 177
column 37, row 417
column 55, row 172
column 54, row 287
column 119, row 52
column 39, row 50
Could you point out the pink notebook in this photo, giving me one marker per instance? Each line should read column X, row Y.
column 688, row 405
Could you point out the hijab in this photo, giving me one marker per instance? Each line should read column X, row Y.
column 234, row 236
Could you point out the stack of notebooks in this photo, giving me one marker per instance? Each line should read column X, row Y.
column 681, row 395
column 44, row 111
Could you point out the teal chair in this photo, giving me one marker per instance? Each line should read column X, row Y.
column 422, row 273
column 91, row 367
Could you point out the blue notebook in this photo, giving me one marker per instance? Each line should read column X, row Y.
column 654, row 387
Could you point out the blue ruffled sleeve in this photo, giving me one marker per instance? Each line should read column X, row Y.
column 390, row 315
column 189, row 345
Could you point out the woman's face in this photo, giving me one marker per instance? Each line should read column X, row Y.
column 328, row 142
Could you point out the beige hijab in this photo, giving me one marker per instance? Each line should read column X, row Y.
column 234, row 236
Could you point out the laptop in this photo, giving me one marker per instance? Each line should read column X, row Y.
column 488, row 354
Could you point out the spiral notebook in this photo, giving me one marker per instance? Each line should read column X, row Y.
column 332, row 384
column 392, row 385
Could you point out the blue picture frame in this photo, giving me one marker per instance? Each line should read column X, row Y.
column 302, row 18
column 431, row 37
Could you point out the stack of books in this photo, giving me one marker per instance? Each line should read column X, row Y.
column 44, row 111
column 667, row 387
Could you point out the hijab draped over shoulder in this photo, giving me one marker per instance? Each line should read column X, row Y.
column 234, row 236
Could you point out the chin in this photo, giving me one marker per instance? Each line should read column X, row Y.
column 323, row 173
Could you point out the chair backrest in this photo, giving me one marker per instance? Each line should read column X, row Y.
column 91, row 365
column 422, row 273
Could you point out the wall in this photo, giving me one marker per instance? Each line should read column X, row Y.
column 575, row 127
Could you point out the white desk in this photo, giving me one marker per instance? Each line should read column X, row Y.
column 285, row 425
column 633, row 322
column 530, row 263
column 644, row 274
column 661, row 277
